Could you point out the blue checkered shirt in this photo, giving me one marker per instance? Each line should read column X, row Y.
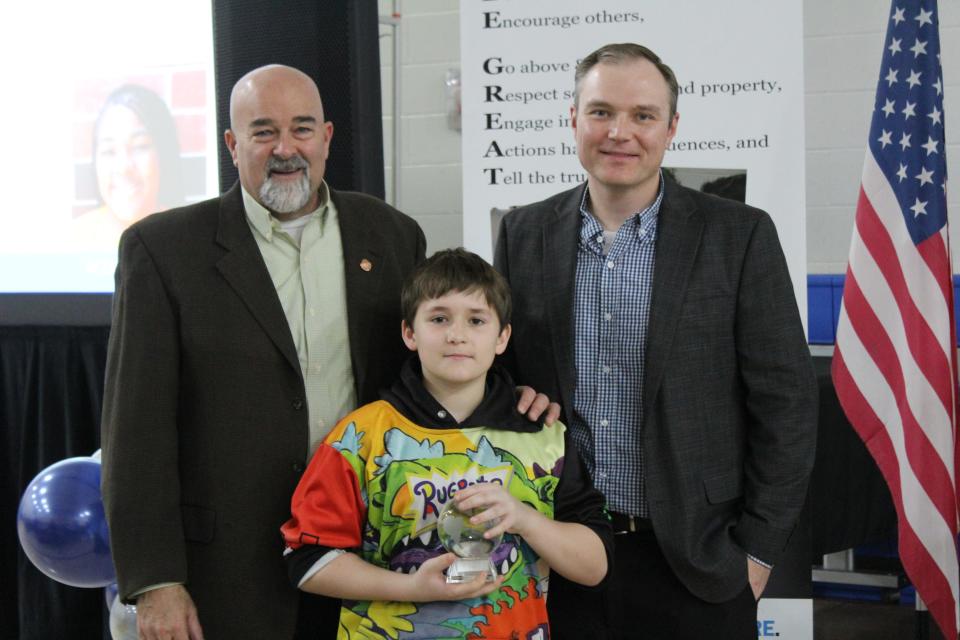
column 611, row 311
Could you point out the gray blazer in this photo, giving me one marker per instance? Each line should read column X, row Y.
column 205, row 421
column 730, row 399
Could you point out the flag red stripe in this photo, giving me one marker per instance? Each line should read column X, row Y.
column 933, row 250
column 928, row 579
column 926, row 572
column 921, row 455
column 870, row 428
column 923, row 344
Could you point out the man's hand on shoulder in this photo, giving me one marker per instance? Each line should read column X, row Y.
column 533, row 404
column 168, row 612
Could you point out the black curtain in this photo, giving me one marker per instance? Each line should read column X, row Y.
column 52, row 388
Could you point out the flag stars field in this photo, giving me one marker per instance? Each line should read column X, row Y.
column 919, row 208
column 925, row 177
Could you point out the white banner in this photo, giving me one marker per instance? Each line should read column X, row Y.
column 740, row 68
column 785, row 618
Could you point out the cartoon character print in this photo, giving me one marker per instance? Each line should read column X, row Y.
column 406, row 482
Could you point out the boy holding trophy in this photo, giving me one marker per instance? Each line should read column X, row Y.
column 439, row 511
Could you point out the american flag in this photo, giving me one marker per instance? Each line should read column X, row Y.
column 894, row 366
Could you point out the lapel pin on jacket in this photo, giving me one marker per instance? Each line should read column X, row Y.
column 366, row 265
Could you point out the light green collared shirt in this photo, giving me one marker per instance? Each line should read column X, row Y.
column 308, row 277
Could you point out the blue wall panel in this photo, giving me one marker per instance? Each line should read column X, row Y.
column 824, row 296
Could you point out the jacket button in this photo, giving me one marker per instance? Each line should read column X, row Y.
column 298, row 404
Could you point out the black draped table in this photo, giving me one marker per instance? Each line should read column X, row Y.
column 849, row 500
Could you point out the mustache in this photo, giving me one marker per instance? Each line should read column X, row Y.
column 286, row 164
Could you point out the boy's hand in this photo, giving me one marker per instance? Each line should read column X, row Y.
column 533, row 404
column 496, row 502
column 430, row 584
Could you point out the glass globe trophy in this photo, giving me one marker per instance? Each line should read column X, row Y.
column 458, row 535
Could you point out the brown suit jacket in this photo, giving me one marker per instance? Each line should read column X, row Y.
column 205, row 420
column 730, row 398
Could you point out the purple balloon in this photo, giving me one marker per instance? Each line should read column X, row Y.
column 62, row 526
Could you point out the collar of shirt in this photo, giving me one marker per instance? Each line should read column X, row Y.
column 644, row 223
column 497, row 410
column 265, row 224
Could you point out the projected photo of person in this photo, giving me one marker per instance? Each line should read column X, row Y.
column 136, row 161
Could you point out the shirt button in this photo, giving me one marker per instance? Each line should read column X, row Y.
column 313, row 311
column 604, row 423
column 610, row 264
column 606, row 369
column 607, row 316
column 298, row 404
column 299, row 467
column 321, row 424
column 317, row 368
column 601, row 475
column 441, row 414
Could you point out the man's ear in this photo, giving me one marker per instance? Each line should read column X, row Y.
column 672, row 128
column 231, row 141
column 503, row 339
column 406, row 333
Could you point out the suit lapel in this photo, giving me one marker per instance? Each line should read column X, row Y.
column 679, row 229
column 245, row 271
column 362, row 270
column 561, row 235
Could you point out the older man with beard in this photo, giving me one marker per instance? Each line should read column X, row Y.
column 243, row 328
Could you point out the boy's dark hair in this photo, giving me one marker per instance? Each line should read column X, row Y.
column 452, row 270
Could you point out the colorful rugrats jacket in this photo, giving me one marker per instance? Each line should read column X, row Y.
column 378, row 482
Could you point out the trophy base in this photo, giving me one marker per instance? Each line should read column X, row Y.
column 467, row 570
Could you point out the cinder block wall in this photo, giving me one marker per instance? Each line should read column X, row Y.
column 842, row 46
column 842, row 43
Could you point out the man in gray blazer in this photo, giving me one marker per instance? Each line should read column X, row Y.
column 664, row 320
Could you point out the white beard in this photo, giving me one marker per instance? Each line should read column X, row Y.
column 286, row 198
